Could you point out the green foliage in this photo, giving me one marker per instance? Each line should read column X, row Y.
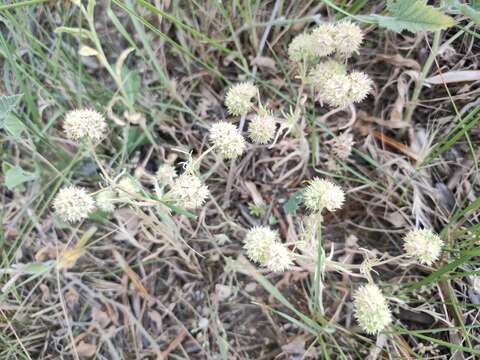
column 414, row 16
column 291, row 206
column 15, row 175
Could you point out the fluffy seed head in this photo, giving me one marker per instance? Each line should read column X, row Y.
column 424, row 245
column 361, row 85
column 80, row 124
column 323, row 40
column 337, row 90
column 239, row 96
column 302, row 49
column 227, row 139
column 321, row 194
column 73, row 204
column 324, row 71
column 371, row 309
column 126, row 187
column 106, row 200
column 342, row 145
column 165, row 174
column 188, row 192
column 348, row 38
column 262, row 128
column 279, row 258
column 258, row 241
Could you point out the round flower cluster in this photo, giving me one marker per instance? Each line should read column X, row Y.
column 342, row 145
column 106, row 200
column 227, row 139
column 324, row 71
column 340, row 90
column 321, row 193
column 263, row 247
column 424, row 245
column 188, row 192
column 343, row 38
column 371, row 309
column 84, row 124
column 73, row 204
column 165, row 174
column 262, row 128
column 127, row 187
column 238, row 98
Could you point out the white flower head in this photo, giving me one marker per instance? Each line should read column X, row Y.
column 106, row 200
column 165, row 174
column 324, row 71
column 278, row 257
column 342, row 145
column 84, row 124
column 239, row 98
column 302, row 49
column 361, row 86
column 262, row 128
column 323, row 40
column 424, row 245
column 371, row 309
column 321, row 193
column 227, row 139
column 127, row 187
column 337, row 90
column 73, row 204
column 188, row 192
column 348, row 38
column 258, row 241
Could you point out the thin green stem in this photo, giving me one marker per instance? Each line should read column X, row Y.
column 426, row 69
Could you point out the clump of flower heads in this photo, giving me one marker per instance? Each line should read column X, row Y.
column 301, row 49
column 424, row 245
column 263, row 247
column 323, row 39
column 84, row 124
column 341, row 90
column 73, row 204
column 188, row 192
column 227, row 139
column 106, row 200
column 324, row 71
column 239, row 98
column 262, row 128
column 321, row 193
column 371, row 309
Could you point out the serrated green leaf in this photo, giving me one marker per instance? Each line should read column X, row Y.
column 414, row 16
column 15, row 175
column 7, row 104
column 291, row 206
column 13, row 126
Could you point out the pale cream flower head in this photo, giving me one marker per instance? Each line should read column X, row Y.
column 106, row 200
column 342, row 145
column 165, row 174
column 324, row 71
column 302, row 49
column 188, row 192
column 337, row 90
column 361, row 86
column 239, row 98
column 73, row 204
column 84, row 124
column 227, row 140
column 262, row 128
column 371, row 309
column 424, row 245
column 321, row 193
column 348, row 38
column 258, row 241
column 323, row 40
column 127, row 188
column 278, row 258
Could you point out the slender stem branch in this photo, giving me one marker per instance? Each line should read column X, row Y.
column 426, row 69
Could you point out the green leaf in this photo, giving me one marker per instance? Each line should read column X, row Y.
column 414, row 16
column 14, row 126
column 7, row 104
column 470, row 12
column 291, row 206
column 15, row 175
